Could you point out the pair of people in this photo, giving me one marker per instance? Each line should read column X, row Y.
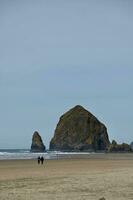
column 40, row 160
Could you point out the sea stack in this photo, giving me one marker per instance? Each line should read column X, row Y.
column 79, row 130
column 114, row 147
column 131, row 145
column 37, row 143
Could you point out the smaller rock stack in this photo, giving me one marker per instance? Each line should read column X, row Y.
column 37, row 143
column 114, row 147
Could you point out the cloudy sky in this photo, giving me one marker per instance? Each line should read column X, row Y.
column 60, row 53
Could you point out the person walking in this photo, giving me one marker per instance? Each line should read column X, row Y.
column 38, row 160
column 42, row 160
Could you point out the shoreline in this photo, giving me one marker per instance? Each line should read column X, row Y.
column 73, row 155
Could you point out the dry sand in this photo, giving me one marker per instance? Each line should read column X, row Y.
column 90, row 178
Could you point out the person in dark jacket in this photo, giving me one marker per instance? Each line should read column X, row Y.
column 42, row 160
column 38, row 160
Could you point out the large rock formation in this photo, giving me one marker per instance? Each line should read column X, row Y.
column 37, row 143
column 79, row 130
column 114, row 147
column 131, row 145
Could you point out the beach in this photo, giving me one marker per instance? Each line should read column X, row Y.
column 76, row 178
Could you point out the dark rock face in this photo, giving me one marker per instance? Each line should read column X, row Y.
column 79, row 130
column 37, row 143
column 131, row 145
column 114, row 147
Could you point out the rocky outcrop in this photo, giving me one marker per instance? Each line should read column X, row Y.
column 79, row 130
column 37, row 143
column 131, row 145
column 114, row 147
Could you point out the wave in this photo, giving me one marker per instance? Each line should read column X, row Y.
column 8, row 154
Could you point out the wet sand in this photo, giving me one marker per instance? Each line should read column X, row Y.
column 82, row 178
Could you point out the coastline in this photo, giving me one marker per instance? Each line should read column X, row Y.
column 24, row 154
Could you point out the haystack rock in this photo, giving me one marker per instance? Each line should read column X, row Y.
column 79, row 130
column 131, row 145
column 37, row 143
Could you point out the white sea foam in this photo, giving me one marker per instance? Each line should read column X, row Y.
column 26, row 154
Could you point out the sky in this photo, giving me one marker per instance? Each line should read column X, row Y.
column 61, row 53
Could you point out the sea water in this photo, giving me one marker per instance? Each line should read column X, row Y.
column 10, row 154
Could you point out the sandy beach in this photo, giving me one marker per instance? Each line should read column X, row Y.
column 89, row 178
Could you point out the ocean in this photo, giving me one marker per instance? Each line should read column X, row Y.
column 10, row 154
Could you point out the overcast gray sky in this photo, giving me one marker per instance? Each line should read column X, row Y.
column 60, row 53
